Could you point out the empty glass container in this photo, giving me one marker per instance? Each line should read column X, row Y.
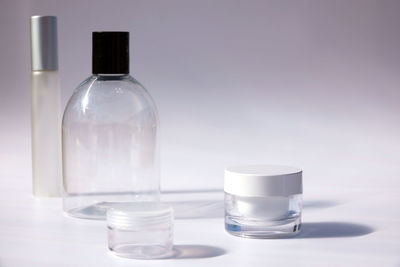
column 141, row 230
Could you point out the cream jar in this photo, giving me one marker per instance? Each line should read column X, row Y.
column 263, row 201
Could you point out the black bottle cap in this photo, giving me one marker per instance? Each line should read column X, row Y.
column 110, row 53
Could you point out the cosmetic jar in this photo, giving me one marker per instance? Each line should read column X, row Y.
column 140, row 230
column 263, row 201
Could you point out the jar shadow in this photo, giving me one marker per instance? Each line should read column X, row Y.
column 320, row 204
column 333, row 229
column 196, row 252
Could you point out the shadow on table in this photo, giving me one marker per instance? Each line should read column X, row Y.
column 193, row 191
column 198, row 205
column 197, row 209
column 319, row 204
column 333, row 229
column 214, row 207
column 202, row 209
column 196, row 252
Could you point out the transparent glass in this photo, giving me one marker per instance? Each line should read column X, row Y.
column 110, row 146
column 263, row 217
column 46, row 133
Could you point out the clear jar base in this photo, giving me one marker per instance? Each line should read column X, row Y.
column 262, row 229
column 142, row 252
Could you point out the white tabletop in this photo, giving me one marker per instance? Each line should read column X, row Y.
column 341, row 227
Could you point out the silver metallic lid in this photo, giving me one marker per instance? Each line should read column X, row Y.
column 44, row 54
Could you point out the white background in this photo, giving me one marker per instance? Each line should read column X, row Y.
column 314, row 84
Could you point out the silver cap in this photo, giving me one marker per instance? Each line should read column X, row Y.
column 44, row 54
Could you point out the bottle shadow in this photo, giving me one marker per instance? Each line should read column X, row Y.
column 195, row 204
column 214, row 208
column 333, row 229
column 197, row 209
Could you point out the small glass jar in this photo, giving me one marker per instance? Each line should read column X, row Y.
column 141, row 230
column 263, row 201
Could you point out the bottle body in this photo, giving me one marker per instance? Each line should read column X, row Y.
column 110, row 146
column 46, row 133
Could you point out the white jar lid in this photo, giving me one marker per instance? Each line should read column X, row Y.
column 263, row 180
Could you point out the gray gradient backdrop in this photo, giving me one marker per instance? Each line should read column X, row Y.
column 315, row 84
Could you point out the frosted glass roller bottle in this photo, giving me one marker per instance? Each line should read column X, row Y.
column 46, row 108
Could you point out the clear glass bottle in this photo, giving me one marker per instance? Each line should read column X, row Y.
column 110, row 128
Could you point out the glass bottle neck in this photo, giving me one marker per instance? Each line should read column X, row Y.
column 109, row 77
